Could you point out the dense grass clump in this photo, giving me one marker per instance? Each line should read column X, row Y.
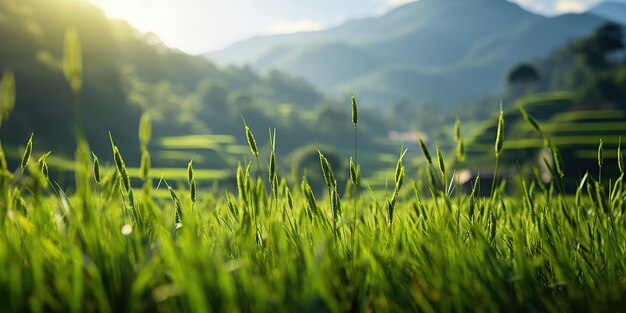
column 280, row 249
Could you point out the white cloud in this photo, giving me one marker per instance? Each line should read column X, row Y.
column 551, row 7
column 289, row 27
column 564, row 6
column 569, row 6
column 398, row 2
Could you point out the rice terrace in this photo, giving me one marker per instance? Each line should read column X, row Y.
column 380, row 156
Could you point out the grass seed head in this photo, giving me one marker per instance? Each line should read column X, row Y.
column 248, row 180
column 272, row 164
column 500, row 134
column 558, row 161
column 192, row 181
column 251, row 141
column 145, row 130
column 620, row 157
column 178, row 213
column 399, row 178
column 493, row 224
column 190, row 177
column 45, row 170
column 355, row 117
column 192, row 190
column 241, row 183
column 121, row 168
column 442, row 163
column 425, row 151
column 601, row 153
column 42, row 165
column 96, row 168
column 399, row 171
column 460, row 147
column 329, row 176
column 27, row 152
column 353, row 173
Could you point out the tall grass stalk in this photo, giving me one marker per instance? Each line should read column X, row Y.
column 125, row 186
column 442, row 165
column 398, row 179
column 600, row 160
column 354, row 169
column 458, row 139
column 620, row 157
column 178, row 207
column 498, row 149
column 191, row 181
column 28, row 151
column 272, row 176
column 430, row 171
column 331, row 184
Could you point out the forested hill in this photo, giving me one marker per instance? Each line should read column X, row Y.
column 125, row 73
column 425, row 50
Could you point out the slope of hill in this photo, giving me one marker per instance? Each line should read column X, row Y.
column 125, row 73
column 610, row 10
column 417, row 51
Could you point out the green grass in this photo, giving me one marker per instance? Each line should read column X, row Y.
column 181, row 173
column 196, row 141
column 254, row 251
column 274, row 246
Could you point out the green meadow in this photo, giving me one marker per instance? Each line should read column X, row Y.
column 149, row 240
column 523, row 210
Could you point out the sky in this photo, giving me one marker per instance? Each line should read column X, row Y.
column 199, row 26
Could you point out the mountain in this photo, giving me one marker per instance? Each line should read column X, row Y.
column 438, row 50
column 610, row 10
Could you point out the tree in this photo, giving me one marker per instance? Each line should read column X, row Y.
column 520, row 78
column 522, row 73
column 595, row 50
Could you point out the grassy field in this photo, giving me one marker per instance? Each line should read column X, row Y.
column 116, row 244
column 276, row 247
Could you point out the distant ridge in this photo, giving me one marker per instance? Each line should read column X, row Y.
column 433, row 50
column 610, row 10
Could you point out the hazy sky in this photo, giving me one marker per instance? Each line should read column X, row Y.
column 197, row 26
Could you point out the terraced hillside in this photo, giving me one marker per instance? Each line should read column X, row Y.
column 575, row 129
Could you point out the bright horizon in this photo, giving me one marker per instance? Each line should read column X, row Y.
column 200, row 26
